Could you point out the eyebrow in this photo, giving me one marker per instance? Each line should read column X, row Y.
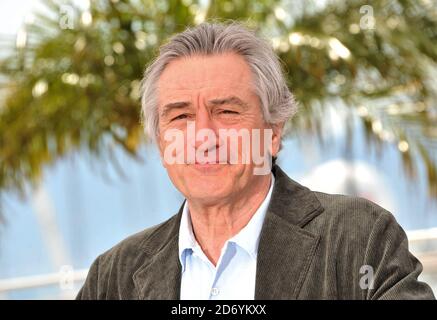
column 173, row 105
column 228, row 100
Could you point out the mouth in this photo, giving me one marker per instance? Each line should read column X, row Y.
column 208, row 166
column 208, row 163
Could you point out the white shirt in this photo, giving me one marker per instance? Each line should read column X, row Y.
column 234, row 275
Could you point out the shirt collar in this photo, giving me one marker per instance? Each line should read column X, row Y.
column 247, row 238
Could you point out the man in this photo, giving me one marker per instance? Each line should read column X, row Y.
column 215, row 101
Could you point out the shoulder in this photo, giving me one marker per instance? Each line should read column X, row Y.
column 355, row 229
column 362, row 240
column 133, row 249
column 111, row 274
column 352, row 221
column 351, row 209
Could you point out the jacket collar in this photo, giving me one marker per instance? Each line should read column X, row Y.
column 285, row 249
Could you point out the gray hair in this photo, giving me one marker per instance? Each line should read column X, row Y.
column 277, row 102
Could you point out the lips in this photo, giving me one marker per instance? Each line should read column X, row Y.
column 208, row 166
column 209, row 163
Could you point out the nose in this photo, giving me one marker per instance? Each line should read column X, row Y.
column 204, row 120
column 205, row 132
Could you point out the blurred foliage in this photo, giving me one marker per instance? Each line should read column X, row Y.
column 72, row 79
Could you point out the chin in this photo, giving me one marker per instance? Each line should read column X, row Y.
column 205, row 182
column 207, row 189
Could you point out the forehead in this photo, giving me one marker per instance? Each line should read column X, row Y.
column 214, row 73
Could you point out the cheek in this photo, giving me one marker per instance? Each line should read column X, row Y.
column 178, row 175
column 161, row 147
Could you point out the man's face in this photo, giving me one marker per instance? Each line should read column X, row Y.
column 212, row 94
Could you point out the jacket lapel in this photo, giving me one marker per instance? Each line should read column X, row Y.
column 285, row 250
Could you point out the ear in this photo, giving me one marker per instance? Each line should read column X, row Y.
column 277, row 137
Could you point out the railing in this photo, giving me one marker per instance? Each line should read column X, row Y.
column 422, row 235
column 62, row 279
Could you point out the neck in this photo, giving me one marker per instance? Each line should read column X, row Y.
column 214, row 224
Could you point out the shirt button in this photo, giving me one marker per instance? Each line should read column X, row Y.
column 215, row 291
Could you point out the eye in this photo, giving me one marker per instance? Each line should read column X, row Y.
column 227, row 112
column 180, row 117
